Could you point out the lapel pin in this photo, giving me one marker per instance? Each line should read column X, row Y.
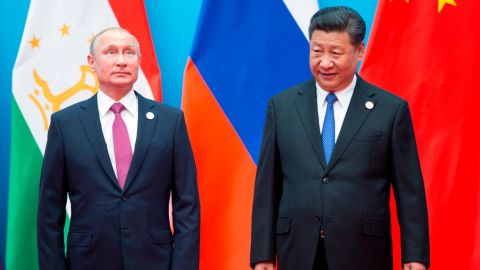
column 369, row 105
column 150, row 115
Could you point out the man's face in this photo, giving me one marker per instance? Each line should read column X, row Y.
column 333, row 59
column 116, row 61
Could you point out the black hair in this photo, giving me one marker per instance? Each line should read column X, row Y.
column 339, row 19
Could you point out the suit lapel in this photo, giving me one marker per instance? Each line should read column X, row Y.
column 306, row 104
column 356, row 115
column 90, row 120
column 145, row 130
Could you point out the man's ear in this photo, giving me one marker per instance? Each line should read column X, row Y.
column 360, row 50
column 91, row 61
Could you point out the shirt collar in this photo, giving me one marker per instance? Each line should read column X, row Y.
column 343, row 96
column 129, row 101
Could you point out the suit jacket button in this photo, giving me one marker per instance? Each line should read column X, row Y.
column 325, row 180
column 124, row 198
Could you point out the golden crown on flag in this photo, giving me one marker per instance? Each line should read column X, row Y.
column 53, row 102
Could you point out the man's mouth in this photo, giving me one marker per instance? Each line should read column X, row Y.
column 121, row 73
column 327, row 74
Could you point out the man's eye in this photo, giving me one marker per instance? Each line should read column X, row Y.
column 110, row 52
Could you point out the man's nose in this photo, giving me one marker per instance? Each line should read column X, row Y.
column 326, row 62
column 121, row 59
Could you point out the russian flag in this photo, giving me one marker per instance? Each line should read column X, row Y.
column 243, row 53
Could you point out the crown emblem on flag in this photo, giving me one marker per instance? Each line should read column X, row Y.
column 52, row 102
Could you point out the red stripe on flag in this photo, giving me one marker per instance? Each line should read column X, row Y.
column 226, row 175
column 132, row 16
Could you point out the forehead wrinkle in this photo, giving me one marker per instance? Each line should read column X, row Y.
column 122, row 34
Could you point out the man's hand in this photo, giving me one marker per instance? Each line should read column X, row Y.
column 411, row 266
column 264, row 266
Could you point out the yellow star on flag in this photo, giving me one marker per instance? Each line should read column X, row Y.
column 442, row 3
column 65, row 30
column 34, row 42
column 90, row 38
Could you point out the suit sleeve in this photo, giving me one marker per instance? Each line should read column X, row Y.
column 52, row 200
column 267, row 191
column 186, row 205
column 409, row 190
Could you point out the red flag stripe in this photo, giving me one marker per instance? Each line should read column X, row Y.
column 226, row 175
column 132, row 16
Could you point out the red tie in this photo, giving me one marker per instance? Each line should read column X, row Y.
column 121, row 144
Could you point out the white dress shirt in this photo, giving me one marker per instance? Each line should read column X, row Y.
column 339, row 107
column 129, row 116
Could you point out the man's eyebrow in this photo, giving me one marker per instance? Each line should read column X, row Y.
column 110, row 47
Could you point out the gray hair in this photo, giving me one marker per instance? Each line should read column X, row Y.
column 95, row 39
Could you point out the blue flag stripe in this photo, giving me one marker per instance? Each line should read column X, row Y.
column 247, row 51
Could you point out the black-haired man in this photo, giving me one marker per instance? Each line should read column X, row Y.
column 332, row 149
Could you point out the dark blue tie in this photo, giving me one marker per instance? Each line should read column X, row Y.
column 328, row 130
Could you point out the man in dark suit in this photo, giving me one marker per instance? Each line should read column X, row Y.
column 118, row 156
column 332, row 149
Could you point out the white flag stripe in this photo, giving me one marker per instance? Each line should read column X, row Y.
column 302, row 11
column 58, row 59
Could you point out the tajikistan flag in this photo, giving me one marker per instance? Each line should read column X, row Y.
column 51, row 73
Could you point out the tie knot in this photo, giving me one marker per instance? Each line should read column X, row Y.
column 331, row 98
column 117, row 107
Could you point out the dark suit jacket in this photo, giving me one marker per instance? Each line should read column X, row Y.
column 111, row 228
column 297, row 195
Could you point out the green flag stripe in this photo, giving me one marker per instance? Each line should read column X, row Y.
column 25, row 167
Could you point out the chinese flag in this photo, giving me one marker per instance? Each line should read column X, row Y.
column 428, row 52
